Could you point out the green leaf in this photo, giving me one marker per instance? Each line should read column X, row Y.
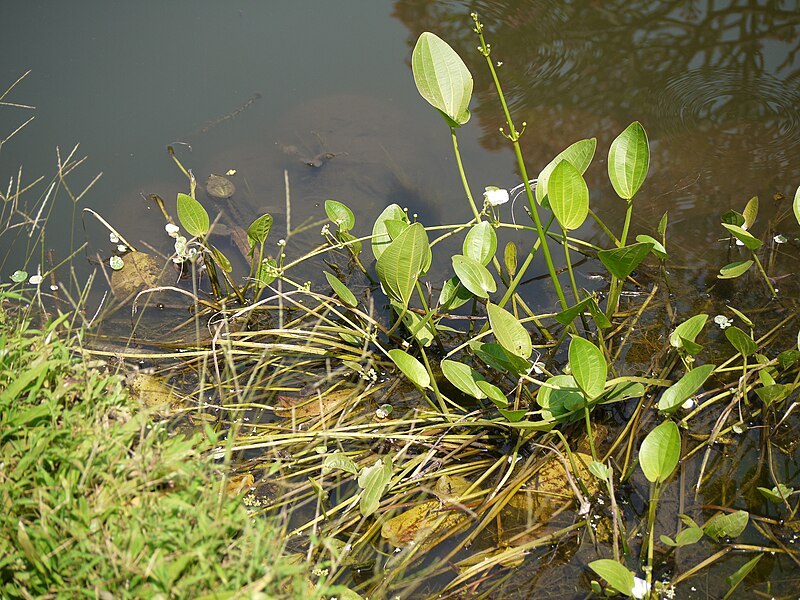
column 579, row 155
column 373, row 481
column 735, row 269
column 726, row 525
column 442, row 78
column 267, row 272
column 777, row 392
column 259, row 230
column 629, row 161
column 380, row 231
column 221, row 259
column 750, row 212
column 796, row 205
column 569, row 195
column 423, row 333
column 494, row 393
column 734, row 580
column 662, row 226
column 680, row 391
column 192, row 215
column 453, row 295
column 340, row 289
column 741, row 315
column 352, row 243
column 510, row 258
column 411, row 368
column 341, row 462
column 660, row 451
column 740, row 340
column 617, row 576
column 340, row 214
column 622, row 261
column 464, row 377
column 513, row 416
column 566, row 317
column 560, row 398
column 624, row 390
column 732, row 217
column 401, row 263
column 510, row 333
column 588, row 366
column 750, row 242
column 685, row 537
column 776, row 495
column 657, row 249
column 474, row 276
column 480, row 243
column 688, row 330
column 601, row 471
column 499, row 358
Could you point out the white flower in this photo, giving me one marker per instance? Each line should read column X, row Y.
column 35, row 279
column 780, row 239
column 495, row 196
column 723, row 321
column 113, row 238
column 640, row 588
column 122, row 248
column 689, row 404
column 281, row 242
column 172, row 230
column 53, row 288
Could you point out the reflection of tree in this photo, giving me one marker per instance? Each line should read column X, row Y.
column 717, row 85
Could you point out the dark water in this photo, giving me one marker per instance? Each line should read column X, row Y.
column 715, row 84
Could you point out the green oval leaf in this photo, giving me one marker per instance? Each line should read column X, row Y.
column 740, row 340
column 402, row 261
column 464, row 377
column 480, row 243
column 569, row 195
column 411, row 368
column 579, row 155
column 657, row 249
column 726, row 525
column 494, row 393
column 796, row 205
column 688, row 330
column 622, row 261
column 192, row 216
column 588, row 366
column 340, row 289
column 750, row 242
column 735, row 269
column 442, row 78
column 339, row 461
column 380, row 230
column 510, row 333
column 453, row 295
column 259, row 230
column 660, row 451
column 474, row 276
column 686, row 386
column 617, row 576
column 560, row 398
column 750, row 212
column 629, row 161
column 340, row 214
column 373, row 481
column 221, row 259
column 510, row 258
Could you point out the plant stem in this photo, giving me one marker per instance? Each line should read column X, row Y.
column 764, row 275
column 463, row 175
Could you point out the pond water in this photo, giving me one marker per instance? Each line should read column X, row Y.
column 256, row 87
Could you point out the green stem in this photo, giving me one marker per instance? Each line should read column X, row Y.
column 764, row 275
column 569, row 266
column 463, row 175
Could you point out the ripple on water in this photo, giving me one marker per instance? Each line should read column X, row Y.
column 730, row 103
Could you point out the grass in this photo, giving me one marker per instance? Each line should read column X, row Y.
column 100, row 500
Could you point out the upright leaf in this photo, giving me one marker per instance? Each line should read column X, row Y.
column 341, row 290
column 373, row 481
column 750, row 242
column 617, row 576
column 688, row 330
column 442, row 78
column 192, row 215
column 622, row 261
column 480, row 243
column 740, row 340
column 660, row 452
column 569, row 195
column 629, row 161
column 401, row 263
column 750, row 212
column 259, row 230
column 340, row 214
column 411, row 368
column 380, row 230
column 474, row 276
column 509, row 332
column 796, row 205
column 588, row 366
column 464, row 377
column 579, row 154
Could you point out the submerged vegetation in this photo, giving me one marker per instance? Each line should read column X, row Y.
column 408, row 436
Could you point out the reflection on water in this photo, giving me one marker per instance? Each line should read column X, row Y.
column 716, row 85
